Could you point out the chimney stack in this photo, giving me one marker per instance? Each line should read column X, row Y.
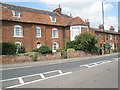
column 87, row 22
column 112, row 28
column 58, row 10
column 119, row 29
column 101, row 26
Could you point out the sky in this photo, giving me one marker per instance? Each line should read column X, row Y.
column 87, row 9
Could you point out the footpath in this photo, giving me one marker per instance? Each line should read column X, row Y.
column 47, row 62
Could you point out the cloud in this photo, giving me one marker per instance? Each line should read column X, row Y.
column 86, row 9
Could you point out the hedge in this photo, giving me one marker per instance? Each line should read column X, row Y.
column 8, row 48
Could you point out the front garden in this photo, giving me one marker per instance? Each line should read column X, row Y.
column 84, row 44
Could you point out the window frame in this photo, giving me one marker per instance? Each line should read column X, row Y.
column 14, row 14
column 40, row 33
column 55, row 33
column 51, row 18
column 111, row 37
column 15, row 31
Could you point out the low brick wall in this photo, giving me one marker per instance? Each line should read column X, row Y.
column 25, row 58
column 56, row 55
column 77, row 54
column 14, row 59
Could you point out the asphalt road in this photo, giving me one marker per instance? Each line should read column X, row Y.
column 25, row 76
column 101, row 76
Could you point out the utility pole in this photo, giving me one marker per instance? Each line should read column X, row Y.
column 103, row 23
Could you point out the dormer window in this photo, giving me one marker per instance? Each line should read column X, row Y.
column 53, row 19
column 16, row 14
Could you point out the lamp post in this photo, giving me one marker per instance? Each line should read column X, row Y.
column 103, row 22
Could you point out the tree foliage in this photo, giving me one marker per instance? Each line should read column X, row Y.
column 85, row 41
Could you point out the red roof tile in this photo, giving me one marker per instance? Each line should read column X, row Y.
column 30, row 15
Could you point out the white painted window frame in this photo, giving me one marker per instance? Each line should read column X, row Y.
column 52, row 19
column 20, row 31
column 55, row 33
column 110, row 37
column 19, row 14
column 72, row 31
column 38, row 36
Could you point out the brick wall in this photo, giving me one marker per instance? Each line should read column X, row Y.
column 77, row 54
column 56, row 55
column 29, row 40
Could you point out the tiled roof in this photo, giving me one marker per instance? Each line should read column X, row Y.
column 30, row 15
column 105, row 31
column 76, row 21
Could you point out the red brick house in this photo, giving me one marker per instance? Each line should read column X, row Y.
column 33, row 28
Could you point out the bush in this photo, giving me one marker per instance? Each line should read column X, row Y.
column 96, row 50
column 33, row 55
column 43, row 50
column 70, row 50
column 70, row 44
column 21, row 49
column 8, row 48
column 85, row 42
column 35, row 50
column 63, row 52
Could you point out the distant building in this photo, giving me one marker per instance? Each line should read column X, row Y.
column 33, row 28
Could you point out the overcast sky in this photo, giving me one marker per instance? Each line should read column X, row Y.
column 84, row 9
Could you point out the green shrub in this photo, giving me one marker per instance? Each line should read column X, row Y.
column 96, row 50
column 35, row 50
column 21, row 49
column 8, row 48
column 43, row 50
column 63, row 52
column 70, row 44
column 85, row 41
column 70, row 50
column 33, row 55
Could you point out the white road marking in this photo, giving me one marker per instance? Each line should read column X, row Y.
column 95, row 64
column 60, row 72
column 41, row 74
column 43, row 77
column 20, row 80
column 38, row 80
column 29, row 75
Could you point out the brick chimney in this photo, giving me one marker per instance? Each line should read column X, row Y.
column 58, row 10
column 112, row 28
column 101, row 26
column 119, row 29
column 87, row 22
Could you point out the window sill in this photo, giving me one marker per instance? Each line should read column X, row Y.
column 55, row 37
column 38, row 36
column 17, row 17
column 18, row 36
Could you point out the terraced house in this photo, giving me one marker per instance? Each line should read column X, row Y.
column 33, row 28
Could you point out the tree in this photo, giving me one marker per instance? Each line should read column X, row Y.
column 85, row 42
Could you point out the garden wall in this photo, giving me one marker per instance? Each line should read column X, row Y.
column 56, row 55
column 77, row 54
column 25, row 58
